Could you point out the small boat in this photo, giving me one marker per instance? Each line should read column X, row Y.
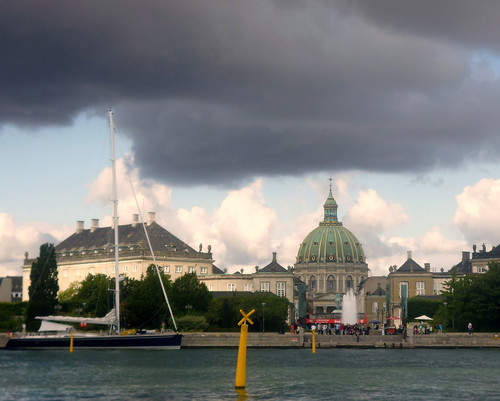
column 63, row 336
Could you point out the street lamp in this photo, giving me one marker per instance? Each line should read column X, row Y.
column 383, row 322
column 263, row 304
column 444, row 323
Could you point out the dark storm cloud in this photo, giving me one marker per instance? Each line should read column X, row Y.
column 223, row 91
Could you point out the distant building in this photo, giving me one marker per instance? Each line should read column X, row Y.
column 11, row 289
column 375, row 298
column 91, row 251
column 480, row 260
column 272, row 278
column 416, row 279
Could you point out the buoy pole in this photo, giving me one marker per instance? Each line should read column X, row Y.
column 241, row 365
column 71, row 342
column 313, row 342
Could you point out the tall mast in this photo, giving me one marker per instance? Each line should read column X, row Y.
column 115, row 221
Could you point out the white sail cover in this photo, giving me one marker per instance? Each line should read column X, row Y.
column 107, row 320
column 51, row 326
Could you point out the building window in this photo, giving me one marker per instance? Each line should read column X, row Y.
column 420, row 287
column 280, row 288
column 349, row 283
column 401, row 285
column 231, row 287
column 125, row 268
column 166, row 269
column 437, row 289
column 375, row 307
column 211, row 287
column 204, row 270
column 248, row 287
column 191, row 269
column 312, row 283
column 178, row 269
column 331, row 284
column 264, row 287
column 103, row 270
column 91, row 271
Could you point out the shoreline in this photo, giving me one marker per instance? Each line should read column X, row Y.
column 289, row 340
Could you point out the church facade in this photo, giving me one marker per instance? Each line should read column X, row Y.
column 331, row 261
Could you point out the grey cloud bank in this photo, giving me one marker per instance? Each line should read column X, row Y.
column 221, row 92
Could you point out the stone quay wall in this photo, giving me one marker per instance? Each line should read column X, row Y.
column 289, row 340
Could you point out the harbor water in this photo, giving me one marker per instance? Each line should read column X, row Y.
column 271, row 374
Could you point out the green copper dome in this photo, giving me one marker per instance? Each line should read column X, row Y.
column 330, row 242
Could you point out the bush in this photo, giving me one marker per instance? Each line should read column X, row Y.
column 11, row 315
column 192, row 323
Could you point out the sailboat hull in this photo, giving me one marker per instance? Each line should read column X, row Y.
column 140, row 341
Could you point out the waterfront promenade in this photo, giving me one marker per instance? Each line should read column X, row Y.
column 288, row 340
column 375, row 340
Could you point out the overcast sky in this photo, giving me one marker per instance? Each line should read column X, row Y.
column 234, row 115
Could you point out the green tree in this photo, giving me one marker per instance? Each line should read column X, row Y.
column 225, row 312
column 475, row 299
column 92, row 297
column 423, row 306
column 144, row 306
column 189, row 295
column 44, row 285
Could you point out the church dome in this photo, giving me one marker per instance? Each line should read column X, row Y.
column 330, row 242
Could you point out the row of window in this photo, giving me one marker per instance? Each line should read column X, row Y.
column 419, row 288
column 248, row 287
column 124, row 269
column 190, row 269
column 331, row 283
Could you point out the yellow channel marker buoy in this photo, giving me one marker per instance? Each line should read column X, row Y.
column 241, row 365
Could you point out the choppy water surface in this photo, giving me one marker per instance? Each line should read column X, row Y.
column 209, row 374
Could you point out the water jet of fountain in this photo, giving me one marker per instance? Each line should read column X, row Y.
column 349, row 313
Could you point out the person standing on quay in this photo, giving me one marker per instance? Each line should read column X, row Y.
column 469, row 328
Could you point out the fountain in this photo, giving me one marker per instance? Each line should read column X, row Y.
column 349, row 313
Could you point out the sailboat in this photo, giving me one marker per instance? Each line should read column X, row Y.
column 62, row 336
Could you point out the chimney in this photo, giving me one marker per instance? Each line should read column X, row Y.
column 427, row 267
column 94, row 225
column 79, row 226
column 151, row 218
column 465, row 256
column 409, row 254
column 135, row 220
column 274, row 256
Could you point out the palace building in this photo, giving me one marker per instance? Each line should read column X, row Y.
column 91, row 251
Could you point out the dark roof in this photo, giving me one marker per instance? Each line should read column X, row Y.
column 464, row 267
column 17, row 283
column 482, row 254
column 273, row 267
column 379, row 291
column 410, row 266
column 216, row 270
column 129, row 234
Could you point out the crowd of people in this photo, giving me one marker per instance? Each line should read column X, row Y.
column 334, row 329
